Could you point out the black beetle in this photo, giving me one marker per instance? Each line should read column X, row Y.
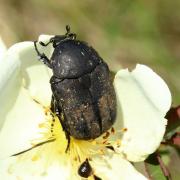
column 83, row 94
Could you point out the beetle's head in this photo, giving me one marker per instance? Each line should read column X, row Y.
column 57, row 39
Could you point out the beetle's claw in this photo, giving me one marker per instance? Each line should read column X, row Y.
column 41, row 43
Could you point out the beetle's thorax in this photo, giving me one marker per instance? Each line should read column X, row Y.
column 73, row 58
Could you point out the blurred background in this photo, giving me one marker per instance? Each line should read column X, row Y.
column 124, row 32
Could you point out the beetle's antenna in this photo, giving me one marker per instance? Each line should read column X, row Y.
column 35, row 146
column 68, row 29
column 69, row 34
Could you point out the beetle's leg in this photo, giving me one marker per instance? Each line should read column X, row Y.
column 54, row 40
column 42, row 56
column 55, row 80
column 46, row 44
column 57, row 110
column 59, row 38
column 69, row 140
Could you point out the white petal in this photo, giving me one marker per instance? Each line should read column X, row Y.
column 144, row 99
column 44, row 37
column 20, row 123
column 36, row 75
column 13, row 169
column 20, row 115
column 9, row 69
column 3, row 48
column 114, row 167
column 153, row 85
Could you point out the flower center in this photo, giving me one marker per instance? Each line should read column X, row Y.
column 79, row 149
column 51, row 146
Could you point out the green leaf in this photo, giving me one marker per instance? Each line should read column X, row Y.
column 155, row 168
column 155, row 172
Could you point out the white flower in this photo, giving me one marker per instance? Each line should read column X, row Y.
column 25, row 120
column 2, row 48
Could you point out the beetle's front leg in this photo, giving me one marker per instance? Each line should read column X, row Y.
column 42, row 56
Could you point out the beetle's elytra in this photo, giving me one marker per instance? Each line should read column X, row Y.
column 83, row 94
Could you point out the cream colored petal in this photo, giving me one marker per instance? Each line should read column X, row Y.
column 9, row 82
column 19, row 115
column 21, row 123
column 115, row 168
column 143, row 99
column 41, row 163
column 3, row 48
column 13, row 169
column 35, row 74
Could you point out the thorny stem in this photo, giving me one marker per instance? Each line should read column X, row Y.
column 147, row 171
column 163, row 167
